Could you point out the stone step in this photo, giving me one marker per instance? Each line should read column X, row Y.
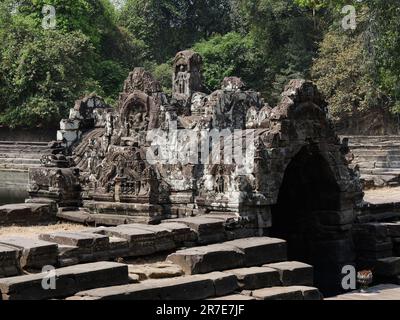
column 205, row 286
column 20, row 161
column 9, row 261
column 68, row 255
column 91, row 242
column 377, row 171
column 208, row 229
column 131, row 240
column 216, row 257
column 378, row 162
column 396, row 246
column 181, row 233
column 23, row 143
column 87, row 218
column 21, row 155
column 294, row 273
column 16, row 152
column 393, row 229
column 383, row 292
column 394, row 152
column 26, row 214
column 287, row 293
column 7, row 147
column 387, row 165
column 234, row 297
column 34, row 254
column 158, row 270
column 147, row 213
column 374, row 147
column 257, row 277
column 372, row 139
column 261, row 250
column 18, row 166
column 68, row 281
column 142, row 242
column 78, row 216
column 183, row 288
column 387, row 267
column 230, row 255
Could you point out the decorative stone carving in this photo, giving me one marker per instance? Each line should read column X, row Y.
column 114, row 163
column 186, row 76
column 232, row 84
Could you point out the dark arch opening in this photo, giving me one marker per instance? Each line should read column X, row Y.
column 308, row 197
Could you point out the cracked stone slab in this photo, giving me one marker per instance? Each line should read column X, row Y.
column 181, row 232
column 130, row 234
column 141, row 242
column 393, row 229
column 294, row 273
column 34, row 253
column 67, row 255
column 26, row 213
column 90, row 241
column 224, row 282
column 182, row 288
column 288, row 293
column 388, row 267
column 9, row 261
column 234, row 297
column 69, row 280
column 216, row 257
column 163, row 237
column 257, row 277
column 158, row 270
column 260, row 251
column 208, row 230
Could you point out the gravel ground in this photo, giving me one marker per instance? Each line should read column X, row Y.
column 33, row 231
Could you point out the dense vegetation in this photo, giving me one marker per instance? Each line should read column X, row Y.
column 266, row 42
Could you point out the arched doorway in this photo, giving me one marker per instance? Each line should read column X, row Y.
column 308, row 203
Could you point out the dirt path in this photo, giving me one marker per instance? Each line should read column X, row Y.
column 32, row 232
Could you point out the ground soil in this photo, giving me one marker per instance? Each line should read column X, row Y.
column 33, row 231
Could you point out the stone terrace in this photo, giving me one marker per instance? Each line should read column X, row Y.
column 246, row 268
column 378, row 158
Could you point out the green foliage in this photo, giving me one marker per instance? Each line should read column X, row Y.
column 285, row 36
column 343, row 73
column 42, row 72
column 93, row 18
column 52, row 70
column 163, row 73
column 265, row 42
column 228, row 55
column 385, row 41
column 168, row 26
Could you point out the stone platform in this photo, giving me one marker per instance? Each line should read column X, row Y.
column 378, row 158
column 383, row 196
column 183, row 268
column 23, row 214
column 381, row 292
column 16, row 157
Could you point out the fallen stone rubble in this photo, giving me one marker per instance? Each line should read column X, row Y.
column 27, row 214
column 247, row 268
column 69, row 280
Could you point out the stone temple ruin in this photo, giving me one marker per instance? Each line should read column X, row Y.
column 221, row 175
column 296, row 185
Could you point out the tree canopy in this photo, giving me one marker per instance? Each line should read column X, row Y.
column 95, row 43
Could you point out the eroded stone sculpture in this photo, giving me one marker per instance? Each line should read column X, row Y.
column 148, row 158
